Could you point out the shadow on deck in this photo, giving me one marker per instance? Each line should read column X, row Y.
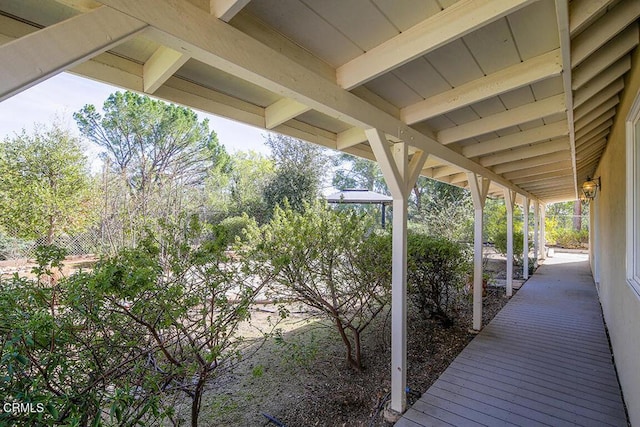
column 543, row 360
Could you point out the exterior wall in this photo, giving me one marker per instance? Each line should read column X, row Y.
column 620, row 304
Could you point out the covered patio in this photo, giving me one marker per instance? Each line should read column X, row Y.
column 543, row 360
column 517, row 99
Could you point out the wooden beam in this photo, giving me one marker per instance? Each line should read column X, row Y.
column 608, row 54
column 351, row 137
column 518, row 139
column 534, row 161
column 604, row 79
column 602, row 122
column 445, row 171
column 593, row 102
column 594, row 114
column 227, row 9
column 584, row 12
column 547, row 176
column 438, row 30
column 562, row 15
column 535, row 150
column 163, row 64
column 415, row 167
column 479, row 187
column 505, row 119
column 392, row 173
column 511, row 78
column 36, row 57
column 222, row 46
column 563, row 165
column 603, row 30
column 80, row 5
column 282, row 111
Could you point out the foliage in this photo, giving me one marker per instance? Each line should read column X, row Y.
column 568, row 238
column 235, row 227
column 240, row 190
column 500, row 242
column 45, row 187
column 358, row 173
column 12, row 247
column 118, row 344
column 441, row 209
column 566, row 224
column 437, row 270
column 299, row 175
column 329, row 261
column 156, row 156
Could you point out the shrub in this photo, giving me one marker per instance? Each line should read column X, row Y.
column 437, row 269
column 236, row 226
column 500, row 242
column 570, row 238
column 330, row 261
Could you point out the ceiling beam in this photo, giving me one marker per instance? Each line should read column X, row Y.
column 528, row 163
column 596, row 100
column 36, row 57
column 564, row 165
column 535, row 150
column 282, row 111
column 438, row 30
column 222, row 46
column 593, row 130
column 603, row 30
column 518, row 139
column 547, row 176
column 604, row 121
column 163, row 64
column 594, row 114
column 602, row 80
column 601, row 59
column 505, row 119
column 584, row 12
column 227, row 9
column 511, row 78
column 562, row 15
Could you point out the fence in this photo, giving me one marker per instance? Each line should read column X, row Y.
column 12, row 247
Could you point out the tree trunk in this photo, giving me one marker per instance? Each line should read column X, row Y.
column 196, row 401
column 577, row 215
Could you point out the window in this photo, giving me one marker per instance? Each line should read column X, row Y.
column 633, row 196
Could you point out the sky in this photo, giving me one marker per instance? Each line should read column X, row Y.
column 64, row 94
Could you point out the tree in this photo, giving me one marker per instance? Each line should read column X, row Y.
column 359, row 173
column 300, row 172
column 240, row 189
column 45, row 186
column 157, row 157
column 330, row 261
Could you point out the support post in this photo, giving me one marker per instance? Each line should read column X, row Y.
column 525, row 238
column 543, row 243
column 536, row 236
column 509, row 201
column 400, row 176
column 479, row 188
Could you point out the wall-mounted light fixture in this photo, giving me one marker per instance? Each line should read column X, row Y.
column 590, row 187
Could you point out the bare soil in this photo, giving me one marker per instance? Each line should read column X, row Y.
column 303, row 379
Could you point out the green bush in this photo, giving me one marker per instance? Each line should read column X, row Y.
column 330, row 261
column 500, row 242
column 236, row 227
column 437, row 270
column 569, row 238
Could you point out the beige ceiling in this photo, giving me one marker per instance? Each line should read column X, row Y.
column 523, row 92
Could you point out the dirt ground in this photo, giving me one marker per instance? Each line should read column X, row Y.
column 303, row 380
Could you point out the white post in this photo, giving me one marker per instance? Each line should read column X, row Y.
column 543, row 243
column 400, row 176
column 536, row 236
column 525, row 238
column 479, row 188
column 509, row 201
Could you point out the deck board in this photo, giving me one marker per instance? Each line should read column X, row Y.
column 543, row 360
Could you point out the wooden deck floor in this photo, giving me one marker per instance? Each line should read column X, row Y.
column 543, row 360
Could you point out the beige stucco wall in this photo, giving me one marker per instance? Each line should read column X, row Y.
column 620, row 304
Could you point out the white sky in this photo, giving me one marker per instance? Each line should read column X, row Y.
column 64, row 94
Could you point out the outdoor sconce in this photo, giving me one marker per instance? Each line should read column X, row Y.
column 590, row 187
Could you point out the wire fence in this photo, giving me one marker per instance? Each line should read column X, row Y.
column 13, row 247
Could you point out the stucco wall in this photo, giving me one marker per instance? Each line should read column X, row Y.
column 620, row 304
